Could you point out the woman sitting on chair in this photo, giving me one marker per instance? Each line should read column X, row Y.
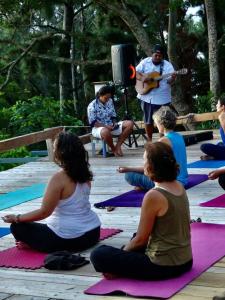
column 161, row 248
column 71, row 225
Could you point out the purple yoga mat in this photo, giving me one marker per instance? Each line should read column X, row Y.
column 215, row 202
column 134, row 198
column 208, row 245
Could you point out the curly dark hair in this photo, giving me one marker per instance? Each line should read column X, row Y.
column 222, row 99
column 162, row 165
column 71, row 155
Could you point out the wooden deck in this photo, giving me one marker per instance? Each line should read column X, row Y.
column 43, row 284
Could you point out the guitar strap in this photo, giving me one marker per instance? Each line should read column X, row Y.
column 161, row 67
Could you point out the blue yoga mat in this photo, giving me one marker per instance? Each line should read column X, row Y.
column 22, row 195
column 4, row 231
column 207, row 164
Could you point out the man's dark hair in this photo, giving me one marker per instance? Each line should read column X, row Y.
column 106, row 89
column 158, row 48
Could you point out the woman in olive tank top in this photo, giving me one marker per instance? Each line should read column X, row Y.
column 161, row 248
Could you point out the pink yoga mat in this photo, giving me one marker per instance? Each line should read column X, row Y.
column 215, row 202
column 208, row 244
column 31, row 259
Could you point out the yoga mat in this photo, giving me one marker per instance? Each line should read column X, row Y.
column 4, row 231
column 215, row 202
column 208, row 245
column 32, row 259
column 22, row 195
column 134, row 198
column 108, row 232
column 207, row 164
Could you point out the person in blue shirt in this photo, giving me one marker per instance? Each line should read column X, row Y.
column 165, row 120
column 217, row 151
column 102, row 118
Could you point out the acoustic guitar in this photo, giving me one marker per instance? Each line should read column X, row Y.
column 149, row 81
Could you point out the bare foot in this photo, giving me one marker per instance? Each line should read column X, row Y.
column 116, row 154
column 119, row 151
column 206, row 157
column 21, row 245
column 110, row 208
column 109, row 276
column 138, row 188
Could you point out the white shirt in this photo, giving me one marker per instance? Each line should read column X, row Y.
column 73, row 216
column 162, row 94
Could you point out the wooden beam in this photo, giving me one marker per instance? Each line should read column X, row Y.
column 191, row 118
column 86, row 138
column 30, row 138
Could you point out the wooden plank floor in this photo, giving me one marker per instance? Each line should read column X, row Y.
column 43, row 284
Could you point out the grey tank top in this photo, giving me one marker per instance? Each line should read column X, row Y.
column 170, row 241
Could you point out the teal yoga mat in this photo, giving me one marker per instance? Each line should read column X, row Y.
column 4, row 231
column 211, row 163
column 22, row 195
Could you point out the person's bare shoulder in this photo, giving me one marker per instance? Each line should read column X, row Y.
column 154, row 197
column 165, row 140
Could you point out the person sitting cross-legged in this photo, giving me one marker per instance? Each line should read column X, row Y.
column 71, row 224
column 161, row 248
column 102, row 118
column 217, row 151
column 165, row 120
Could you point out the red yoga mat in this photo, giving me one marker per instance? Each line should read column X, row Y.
column 32, row 259
column 215, row 202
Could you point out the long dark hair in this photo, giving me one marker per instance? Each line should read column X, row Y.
column 71, row 155
column 162, row 165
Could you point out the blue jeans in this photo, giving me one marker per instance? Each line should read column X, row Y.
column 140, row 180
column 216, row 151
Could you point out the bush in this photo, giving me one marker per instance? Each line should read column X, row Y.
column 18, row 152
column 38, row 113
column 203, row 104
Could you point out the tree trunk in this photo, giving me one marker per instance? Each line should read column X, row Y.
column 213, row 49
column 178, row 98
column 132, row 21
column 65, row 86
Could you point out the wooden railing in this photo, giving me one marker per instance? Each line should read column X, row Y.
column 190, row 118
column 47, row 135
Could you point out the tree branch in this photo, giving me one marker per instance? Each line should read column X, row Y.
column 19, row 58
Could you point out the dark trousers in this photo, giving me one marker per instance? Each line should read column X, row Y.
column 107, row 259
column 216, row 151
column 38, row 236
column 221, row 181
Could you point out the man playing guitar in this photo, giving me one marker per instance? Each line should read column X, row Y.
column 154, row 97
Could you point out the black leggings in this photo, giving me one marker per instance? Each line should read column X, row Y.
column 107, row 259
column 221, row 181
column 38, row 236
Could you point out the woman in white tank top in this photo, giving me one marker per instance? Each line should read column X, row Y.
column 70, row 224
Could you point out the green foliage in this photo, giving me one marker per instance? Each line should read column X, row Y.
column 38, row 113
column 18, row 152
column 203, row 104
